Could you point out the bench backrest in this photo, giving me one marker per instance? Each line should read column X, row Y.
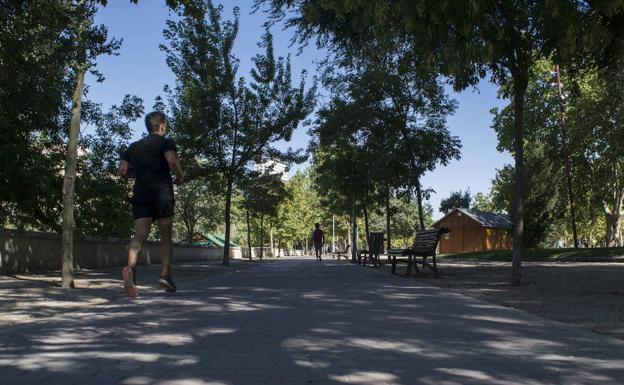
column 427, row 240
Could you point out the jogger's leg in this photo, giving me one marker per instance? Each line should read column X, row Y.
column 166, row 244
column 141, row 230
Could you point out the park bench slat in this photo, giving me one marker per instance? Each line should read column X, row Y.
column 343, row 253
column 425, row 245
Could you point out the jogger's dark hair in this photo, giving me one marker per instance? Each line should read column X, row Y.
column 153, row 120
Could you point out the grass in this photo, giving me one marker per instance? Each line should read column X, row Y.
column 596, row 254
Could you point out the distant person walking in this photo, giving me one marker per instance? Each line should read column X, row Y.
column 318, row 238
column 151, row 161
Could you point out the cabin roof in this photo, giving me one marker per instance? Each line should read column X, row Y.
column 484, row 218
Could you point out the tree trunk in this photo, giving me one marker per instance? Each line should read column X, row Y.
column 271, row 244
column 69, row 180
column 614, row 229
column 520, row 82
column 189, row 234
column 388, row 215
column 248, row 233
column 353, row 234
column 566, row 156
column 421, row 214
column 261, row 235
column 230, row 184
column 228, row 219
column 348, row 232
column 613, row 219
column 366, row 227
column 189, row 222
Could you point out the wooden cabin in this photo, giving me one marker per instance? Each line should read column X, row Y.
column 473, row 231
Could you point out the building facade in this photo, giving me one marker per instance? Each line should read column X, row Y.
column 473, row 231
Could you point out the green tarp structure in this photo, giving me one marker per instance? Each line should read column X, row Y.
column 213, row 240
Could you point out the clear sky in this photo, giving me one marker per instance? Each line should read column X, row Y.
column 140, row 69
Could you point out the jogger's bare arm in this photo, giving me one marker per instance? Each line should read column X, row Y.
column 174, row 165
column 124, row 168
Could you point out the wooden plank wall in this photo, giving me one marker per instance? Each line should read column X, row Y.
column 468, row 235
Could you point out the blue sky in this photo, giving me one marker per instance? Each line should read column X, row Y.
column 140, row 69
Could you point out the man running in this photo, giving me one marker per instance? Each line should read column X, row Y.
column 318, row 238
column 151, row 160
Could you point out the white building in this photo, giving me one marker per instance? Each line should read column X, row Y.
column 273, row 167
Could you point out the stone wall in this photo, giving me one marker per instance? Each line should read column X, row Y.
column 33, row 251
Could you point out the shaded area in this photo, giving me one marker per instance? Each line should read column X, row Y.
column 303, row 322
column 585, row 294
column 27, row 298
column 597, row 254
column 590, row 295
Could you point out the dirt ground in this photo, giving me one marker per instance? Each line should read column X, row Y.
column 587, row 294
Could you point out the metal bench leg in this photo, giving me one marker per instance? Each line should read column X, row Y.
column 435, row 268
column 393, row 264
column 410, row 265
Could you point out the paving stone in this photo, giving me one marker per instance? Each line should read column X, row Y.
column 301, row 322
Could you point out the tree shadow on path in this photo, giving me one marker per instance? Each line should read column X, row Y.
column 304, row 322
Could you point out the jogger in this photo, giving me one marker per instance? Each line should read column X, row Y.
column 151, row 161
column 318, row 238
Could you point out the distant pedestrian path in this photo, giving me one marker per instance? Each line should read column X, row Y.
column 300, row 321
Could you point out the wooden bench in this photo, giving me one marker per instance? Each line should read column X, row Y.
column 425, row 245
column 343, row 253
column 376, row 247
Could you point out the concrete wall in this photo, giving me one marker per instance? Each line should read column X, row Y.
column 33, row 251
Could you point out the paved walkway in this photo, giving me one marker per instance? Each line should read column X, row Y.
column 298, row 321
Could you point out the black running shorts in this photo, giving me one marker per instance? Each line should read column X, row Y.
column 154, row 210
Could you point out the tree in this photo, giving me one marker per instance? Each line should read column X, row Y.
column 101, row 196
column 382, row 130
column 483, row 202
column 90, row 41
column 225, row 122
column 503, row 39
column 52, row 45
column 33, row 110
column 297, row 213
column 545, row 199
column 197, row 206
column 405, row 220
column 594, row 124
column 457, row 199
column 263, row 194
column 596, row 128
